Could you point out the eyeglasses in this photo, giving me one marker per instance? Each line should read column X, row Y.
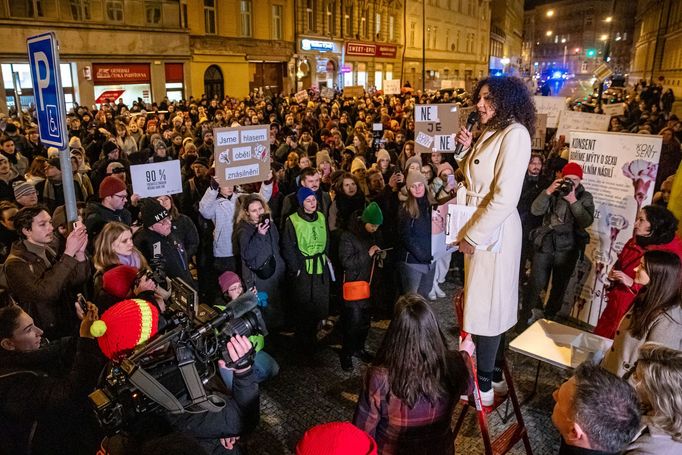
column 122, row 197
column 118, row 170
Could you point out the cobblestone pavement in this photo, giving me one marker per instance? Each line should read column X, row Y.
column 313, row 390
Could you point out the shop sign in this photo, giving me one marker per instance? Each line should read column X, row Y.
column 371, row 50
column 346, row 69
column 108, row 95
column 316, row 45
column 126, row 73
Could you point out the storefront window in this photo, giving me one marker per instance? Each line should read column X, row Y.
column 362, row 74
column 378, row 76
column 389, row 72
column 348, row 77
column 26, row 87
column 174, row 91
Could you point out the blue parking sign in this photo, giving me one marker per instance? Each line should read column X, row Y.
column 43, row 59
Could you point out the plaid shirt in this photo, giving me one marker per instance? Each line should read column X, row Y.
column 398, row 429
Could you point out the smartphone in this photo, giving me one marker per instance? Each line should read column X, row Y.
column 82, row 302
column 451, row 180
column 264, row 218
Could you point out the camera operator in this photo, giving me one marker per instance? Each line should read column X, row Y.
column 567, row 210
column 132, row 322
column 44, row 388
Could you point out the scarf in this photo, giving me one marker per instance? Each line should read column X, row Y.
column 132, row 260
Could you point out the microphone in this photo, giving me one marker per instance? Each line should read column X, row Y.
column 472, row 119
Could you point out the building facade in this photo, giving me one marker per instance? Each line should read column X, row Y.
column 573, row 37
column 240, row 45
column 455, row 37
column 658, row 43
column 341, row 43
column 506, row 36
column 133, row 48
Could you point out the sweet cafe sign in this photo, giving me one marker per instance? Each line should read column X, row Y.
column 371, row 50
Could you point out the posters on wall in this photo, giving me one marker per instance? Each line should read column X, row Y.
column 242, row 155
column 575, row 120
column 156, row 179
column 435, row 126
column 620, row 171
column 552, row 106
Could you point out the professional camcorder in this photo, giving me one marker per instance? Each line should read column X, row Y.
column 565, row 187
column 169, row 372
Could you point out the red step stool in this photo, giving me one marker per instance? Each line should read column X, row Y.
column 513, row 433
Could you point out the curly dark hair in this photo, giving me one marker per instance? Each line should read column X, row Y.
column 512, row 102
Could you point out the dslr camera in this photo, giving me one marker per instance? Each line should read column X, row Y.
column 565, row 187
column 168, row 373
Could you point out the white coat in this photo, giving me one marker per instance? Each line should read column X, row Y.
column 494, row 170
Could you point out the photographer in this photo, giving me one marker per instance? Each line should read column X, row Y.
column 44, row 388
column 131, row 323
column 567, row 210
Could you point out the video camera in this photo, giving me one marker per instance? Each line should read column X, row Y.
column 168, row 373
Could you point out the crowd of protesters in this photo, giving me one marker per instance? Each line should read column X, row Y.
column 343, row 224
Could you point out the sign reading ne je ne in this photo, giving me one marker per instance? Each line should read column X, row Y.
column 242, row 155
column 435, row 126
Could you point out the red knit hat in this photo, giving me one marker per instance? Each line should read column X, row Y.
column 572, row 169
column 124, row 326
column 336, row 438
column 227, row 279
column 118, row 280
column 110, row 186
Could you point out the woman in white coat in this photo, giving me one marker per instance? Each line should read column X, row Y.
column 494, row 169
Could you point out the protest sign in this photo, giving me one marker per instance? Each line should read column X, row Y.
column 242, row 155
column 619, row 170
column 435, row 126
column 353, row 91
column 538, row 142
column 301, row 96
column 392, row 87
column 552, row 106
column 613, row 110
column 575, row 120
column 156, row 179
column 327, row 93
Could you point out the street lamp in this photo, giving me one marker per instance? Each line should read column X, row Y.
column 548, row 33
column 550, row 13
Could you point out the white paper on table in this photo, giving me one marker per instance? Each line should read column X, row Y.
column 458, row 219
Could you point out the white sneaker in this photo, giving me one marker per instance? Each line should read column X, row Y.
column 500, row 388
column 439, row 292
column 487, row 398
column 432, row 295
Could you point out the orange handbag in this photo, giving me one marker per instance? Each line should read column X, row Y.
column 357, row 290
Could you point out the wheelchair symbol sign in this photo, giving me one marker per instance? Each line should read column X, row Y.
column 43, row 57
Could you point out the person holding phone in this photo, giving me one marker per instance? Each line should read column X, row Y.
column 258, row 246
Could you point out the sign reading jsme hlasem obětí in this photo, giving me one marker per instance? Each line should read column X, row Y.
column 242, row 154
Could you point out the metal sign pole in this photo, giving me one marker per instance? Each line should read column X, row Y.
column 43, row 58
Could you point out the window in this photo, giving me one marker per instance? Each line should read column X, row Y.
column 310, row 16
column 389, row 72
column 209, row 17
column 348, row 77
column 277, row 22
column 435, row 38
column 364, row 23
column 174, row 91
column 377, row 24
column 348, row 20
column 413, row 26
column 457, row 42
column 391, row 28
column 378, row 76
column 330, row 18
column 183, row 13
column 245, row 8
column 447, row 40
column 428, row 37
column 152, row 13
column 23, row 79
column 362, row 74
column 114, row 10
column 80, row 10
column 29, row 8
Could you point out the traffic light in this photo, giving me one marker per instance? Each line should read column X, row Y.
column 591, row 53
